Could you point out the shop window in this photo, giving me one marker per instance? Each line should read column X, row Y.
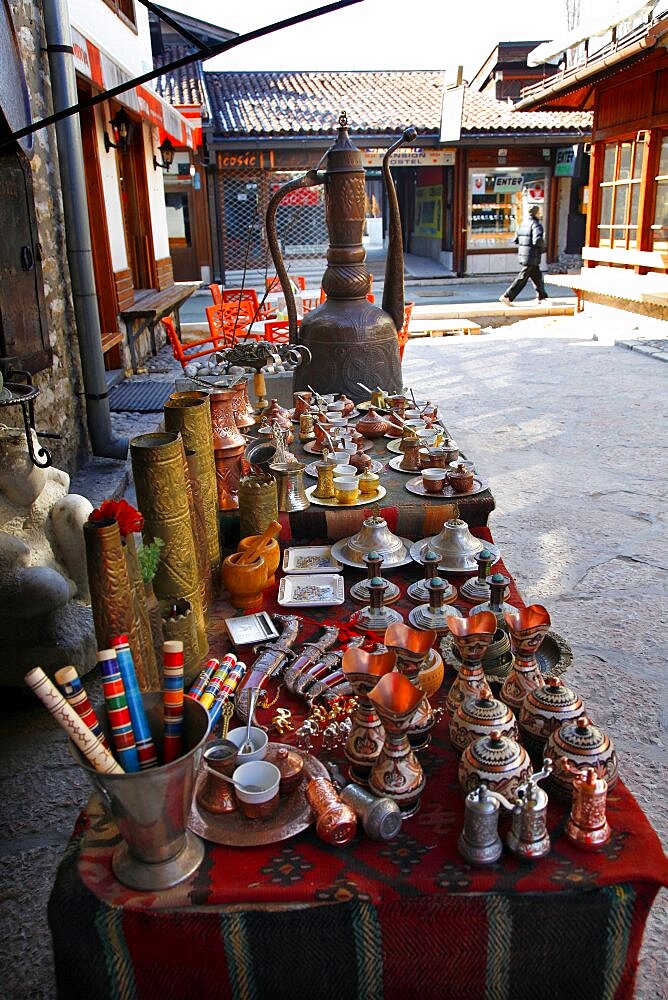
column 499, row 199
column 660, row 224
column 125, row 10
column 620, row 194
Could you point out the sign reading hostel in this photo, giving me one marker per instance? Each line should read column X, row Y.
column 410, row 156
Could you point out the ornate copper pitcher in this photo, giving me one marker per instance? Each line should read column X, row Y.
column 350, row 339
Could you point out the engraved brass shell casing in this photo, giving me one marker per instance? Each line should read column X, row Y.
column 190, row 414
column 111, row 593
column 258, row 503
column 159, row 467
column 149, row 663
column 198, row 521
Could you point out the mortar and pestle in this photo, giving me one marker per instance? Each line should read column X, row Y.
column 245, row 573
column 269, row 549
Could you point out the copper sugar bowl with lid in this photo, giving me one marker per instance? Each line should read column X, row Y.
column 546, row 709
column 478, row 715
column 372, row 425
column 584, row 745
column 497, row 761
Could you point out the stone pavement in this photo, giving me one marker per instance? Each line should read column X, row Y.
column 570, row 431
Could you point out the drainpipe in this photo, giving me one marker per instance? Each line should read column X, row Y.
column 79, row 248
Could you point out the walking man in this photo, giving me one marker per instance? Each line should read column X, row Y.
column 531, row 244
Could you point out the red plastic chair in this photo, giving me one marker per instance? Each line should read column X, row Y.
column 273, row 284
column 183, row 353
column 403, row 333
column 216, row 294
column 227, row 321
column 277, row 331
column 249, row 295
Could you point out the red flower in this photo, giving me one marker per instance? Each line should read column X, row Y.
column 129, row 519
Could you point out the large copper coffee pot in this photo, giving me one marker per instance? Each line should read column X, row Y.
column 351, row 340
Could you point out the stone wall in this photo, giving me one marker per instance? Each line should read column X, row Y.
column 59, row 408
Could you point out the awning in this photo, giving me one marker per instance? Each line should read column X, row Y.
column 96, row 65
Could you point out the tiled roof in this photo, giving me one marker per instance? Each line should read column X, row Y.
column 293, row 103
column 482, row 113
column 183, row 85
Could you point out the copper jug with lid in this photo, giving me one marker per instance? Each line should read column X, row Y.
column 351, row 340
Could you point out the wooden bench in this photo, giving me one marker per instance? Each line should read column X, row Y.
column 617, row 273
column 150, row 307
column 441, row 327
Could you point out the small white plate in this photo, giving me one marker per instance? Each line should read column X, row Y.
column 310, row 559
column 317, row 591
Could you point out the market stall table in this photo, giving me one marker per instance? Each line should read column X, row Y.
column 406, row 514
column 398, row 920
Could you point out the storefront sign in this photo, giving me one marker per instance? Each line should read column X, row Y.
column 477, row 183
column 410, row 156
column 302, row 196
column 564, row 164
column 429, row 211
column 508, row 183
column 250, row 159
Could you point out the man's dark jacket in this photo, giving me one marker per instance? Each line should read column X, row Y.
column 530, row 238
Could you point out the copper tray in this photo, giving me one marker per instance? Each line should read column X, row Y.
column 234, row 830
column 447, row 493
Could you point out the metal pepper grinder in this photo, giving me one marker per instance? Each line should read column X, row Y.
column 360, row 591
column 528, row 838
column 587, row 824
column 418, row 591
column 498, row 589
column 435, row 614
column 376, row 617
column 477, row 588
column 479, row 842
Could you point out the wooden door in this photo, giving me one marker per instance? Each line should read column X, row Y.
column 181, row 230
column 136, row 211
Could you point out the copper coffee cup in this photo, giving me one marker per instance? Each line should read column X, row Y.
column 433, row 480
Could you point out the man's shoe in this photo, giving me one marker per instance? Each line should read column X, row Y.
column 506, row 301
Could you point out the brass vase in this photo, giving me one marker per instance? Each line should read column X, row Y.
column 198, row 521
column 111, row 595
column 242, row 418
column 178, row 623
column 158, row 465
column 367, row 735
column 140, row 609
column 190, row 414
column 228, row 475
column 258, row 503
column 397, row 772
column 226, row 434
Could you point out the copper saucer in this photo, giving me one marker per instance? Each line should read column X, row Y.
column 292, row 816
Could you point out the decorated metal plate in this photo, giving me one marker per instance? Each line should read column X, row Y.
column 447, row 493
column 310, row 559
column 292, row 816
column 312, row 468
column 417, row 548
column 360, row 502
column 317, row 591
column 339, row 553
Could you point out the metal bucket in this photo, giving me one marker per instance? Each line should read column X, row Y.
column 151, row 808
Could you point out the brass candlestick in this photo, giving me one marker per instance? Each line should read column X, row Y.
column 360, row 591
column 419, row 591
column 498, row 590
column 376, row 617
column 435, row 614
column 477, row 588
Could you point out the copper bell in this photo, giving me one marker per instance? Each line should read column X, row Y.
column 528, row 838
column 587, row 824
